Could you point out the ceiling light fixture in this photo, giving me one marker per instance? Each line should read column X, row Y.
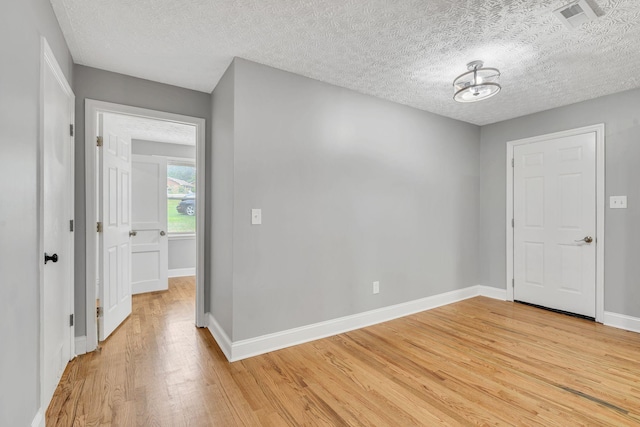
column 476, row 84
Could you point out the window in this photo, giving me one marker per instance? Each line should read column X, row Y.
column 181, row 197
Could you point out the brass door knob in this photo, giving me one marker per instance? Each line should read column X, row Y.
column 587, row 239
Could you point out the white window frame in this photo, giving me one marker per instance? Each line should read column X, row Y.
column 182, row 161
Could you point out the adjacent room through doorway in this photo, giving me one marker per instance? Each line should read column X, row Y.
column 148, row 209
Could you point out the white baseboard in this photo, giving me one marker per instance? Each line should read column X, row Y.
column 220, row 336
column 150, row 286
column 622, row 321
column 181, row 272
column 81, row 345
column 243, row 349
column 38, row 420
column 491, row 292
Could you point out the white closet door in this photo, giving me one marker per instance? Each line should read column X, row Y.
column 555, row 223
column 57, row 205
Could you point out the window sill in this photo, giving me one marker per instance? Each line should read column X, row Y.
column 182, row 236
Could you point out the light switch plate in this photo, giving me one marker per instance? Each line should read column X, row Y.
column 256, row 216
column 618, row 202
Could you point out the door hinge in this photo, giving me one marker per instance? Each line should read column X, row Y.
column 513, row 163
column 513, row 283
column 99, row 141
column 513, row 222
column 71, row 320
column 99, row 311
column 71, row 225
column 99, row 227
column 71, row 129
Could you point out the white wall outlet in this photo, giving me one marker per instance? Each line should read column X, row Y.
column 618, row 202
column 376, row 287
column 256, row 216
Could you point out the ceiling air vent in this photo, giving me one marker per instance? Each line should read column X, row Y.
column 575, row 14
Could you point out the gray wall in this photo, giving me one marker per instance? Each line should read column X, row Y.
column 353, row 189
column 621, row 115
column 182, row 252
column 22, row 23
column 111, row 87
column 221, row 158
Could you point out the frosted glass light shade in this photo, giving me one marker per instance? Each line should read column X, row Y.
column 476, row 84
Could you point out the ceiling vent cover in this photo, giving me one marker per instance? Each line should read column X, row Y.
column 575, row 14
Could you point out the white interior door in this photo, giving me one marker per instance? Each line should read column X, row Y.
column 115, row 216
column 149, row 245
column 555, row 223
column 57, row 181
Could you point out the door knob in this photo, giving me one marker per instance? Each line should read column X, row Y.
column 133, row 233
column 162, row 233
column 587, row 239
column 52, row 258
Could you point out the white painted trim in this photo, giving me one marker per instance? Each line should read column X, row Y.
column 38, row 420
column 48, row 59
column 187, row 161
column 243, row 349
column 491, row 292
column 182, row 272
column 81, row 345
column 622, row 321
column 92, row 107
column 509, row 218
column 600, row 227
column 148, row 286
column 179, row 236
column 201, row 319
column 600, row 207
column 219, row 335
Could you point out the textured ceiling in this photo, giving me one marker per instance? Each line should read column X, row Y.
column 408, row 51
column 154, row 130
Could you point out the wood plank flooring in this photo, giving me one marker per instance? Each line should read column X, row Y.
column 476, row 362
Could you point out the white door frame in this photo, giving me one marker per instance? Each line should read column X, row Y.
column 92, row 108
column 48, row 60
column 600, row 207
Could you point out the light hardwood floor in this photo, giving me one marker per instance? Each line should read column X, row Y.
column 476, row 362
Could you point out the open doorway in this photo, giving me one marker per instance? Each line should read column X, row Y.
column 163, row 200
column 150, row 141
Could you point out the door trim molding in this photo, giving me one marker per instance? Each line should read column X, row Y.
column 600, row 206
column 92, row 108
column 81, row 345
column 48, row 60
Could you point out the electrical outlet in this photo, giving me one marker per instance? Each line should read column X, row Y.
column 376, row 287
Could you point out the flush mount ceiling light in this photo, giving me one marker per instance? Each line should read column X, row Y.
column 476, row 84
